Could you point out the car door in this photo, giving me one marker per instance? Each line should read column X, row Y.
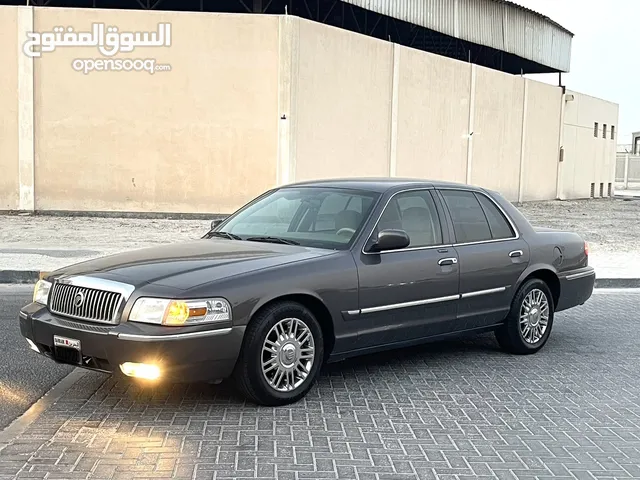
column 409, row 293
column 491, row 256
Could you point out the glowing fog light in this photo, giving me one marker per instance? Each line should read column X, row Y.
column 33, row 346
column 140, row 370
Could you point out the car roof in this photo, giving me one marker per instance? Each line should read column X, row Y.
column 379, row 184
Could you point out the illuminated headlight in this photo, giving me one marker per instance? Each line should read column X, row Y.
column 164, row 311
column 41, row 292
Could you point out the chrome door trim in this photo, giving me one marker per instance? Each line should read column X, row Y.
column 177, row 336
column 575, row 276
column 479, row 293
column 415, row 303
column 412, row 249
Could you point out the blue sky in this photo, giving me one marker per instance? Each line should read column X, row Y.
column 607, row 35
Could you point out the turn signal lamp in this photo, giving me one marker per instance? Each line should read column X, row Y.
column 162, row 311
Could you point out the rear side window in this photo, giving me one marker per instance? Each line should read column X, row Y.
column 469, row 221
column 498, row 224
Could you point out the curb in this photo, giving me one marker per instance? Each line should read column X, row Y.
column 20, row 424
column 32, row 276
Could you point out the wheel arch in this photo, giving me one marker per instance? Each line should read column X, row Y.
column 315, row 305
column 545, row 273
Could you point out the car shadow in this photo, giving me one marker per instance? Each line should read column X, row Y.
column 222, row 395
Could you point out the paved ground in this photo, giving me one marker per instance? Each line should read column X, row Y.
column 46, row 243
column 454, row 410
column 24, row 376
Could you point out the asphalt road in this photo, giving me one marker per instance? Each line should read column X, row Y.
column 24, row 375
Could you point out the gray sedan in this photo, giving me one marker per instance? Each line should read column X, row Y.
column 311, row 273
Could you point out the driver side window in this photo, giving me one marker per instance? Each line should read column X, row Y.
column 414, row 212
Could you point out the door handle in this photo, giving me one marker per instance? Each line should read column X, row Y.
column 516, row 253
column 447, row 261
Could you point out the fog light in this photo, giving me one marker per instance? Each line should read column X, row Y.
column 33, row 346
column 140, row 370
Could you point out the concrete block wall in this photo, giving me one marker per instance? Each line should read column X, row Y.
column 255, row 101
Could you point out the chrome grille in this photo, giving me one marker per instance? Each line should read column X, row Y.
column 96, row 305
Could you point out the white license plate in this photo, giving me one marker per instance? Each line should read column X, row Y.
column 66, row 342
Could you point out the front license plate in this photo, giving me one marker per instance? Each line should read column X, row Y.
column 66, row 342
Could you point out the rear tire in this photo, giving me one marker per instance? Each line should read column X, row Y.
column 530, row 320
column 281, row 355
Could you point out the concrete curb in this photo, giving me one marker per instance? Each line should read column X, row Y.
column 32, row 276
column 20, row 424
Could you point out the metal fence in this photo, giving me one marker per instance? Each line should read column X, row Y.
column 628, row 170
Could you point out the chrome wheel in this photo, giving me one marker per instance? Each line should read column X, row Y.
column 288, row 354
column 534, row 316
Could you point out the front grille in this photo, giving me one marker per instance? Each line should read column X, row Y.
column 85, row 326
column 84, row 303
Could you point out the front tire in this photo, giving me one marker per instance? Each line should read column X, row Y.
column 281, row 355
column 529, row 322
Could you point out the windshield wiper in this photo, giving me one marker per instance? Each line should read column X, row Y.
column 230, row 236
column 283, row 241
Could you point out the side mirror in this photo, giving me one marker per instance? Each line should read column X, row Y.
column 391, row 240
column 215, row 223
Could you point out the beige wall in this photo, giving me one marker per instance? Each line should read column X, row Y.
column 497, row 131
column 343, row 103
column 253, row 101
column 9, row 183
column 588, row 159
column 541, row 141
column 200, row 138
column 433, row 116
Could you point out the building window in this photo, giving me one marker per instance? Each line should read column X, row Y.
column 613, row 132
column 604, row 131
column 595, row 129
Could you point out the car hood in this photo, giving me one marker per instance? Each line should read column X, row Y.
column 186, row 265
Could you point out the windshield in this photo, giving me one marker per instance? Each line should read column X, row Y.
column 309, row 216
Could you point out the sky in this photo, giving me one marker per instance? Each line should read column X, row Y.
column 607, row 36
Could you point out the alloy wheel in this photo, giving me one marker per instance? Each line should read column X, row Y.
column 288, row 354
column 534, row 316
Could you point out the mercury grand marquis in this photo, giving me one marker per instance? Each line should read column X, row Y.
column 310, row 273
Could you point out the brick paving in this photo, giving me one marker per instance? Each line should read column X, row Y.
column 454, row 410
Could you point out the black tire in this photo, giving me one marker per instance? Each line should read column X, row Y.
column 248, row 373
column 510, row 336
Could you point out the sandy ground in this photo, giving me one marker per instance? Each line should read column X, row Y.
column 611, row 226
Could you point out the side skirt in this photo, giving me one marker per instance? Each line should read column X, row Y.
column 333, row 358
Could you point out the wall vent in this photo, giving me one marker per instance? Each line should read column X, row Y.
column 593, row 190
column 601, row 190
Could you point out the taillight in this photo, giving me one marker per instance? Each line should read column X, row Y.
column 586, row 248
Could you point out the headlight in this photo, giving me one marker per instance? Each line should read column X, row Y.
column 41, row 292
column 164, row 311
